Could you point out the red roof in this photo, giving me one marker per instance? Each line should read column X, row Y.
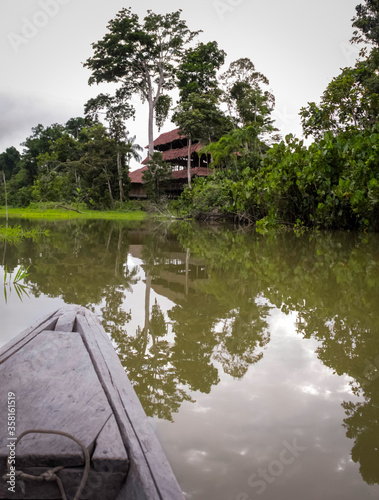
column 199, row 171
column 136, row 175
column 168, row 137
column 172, row 154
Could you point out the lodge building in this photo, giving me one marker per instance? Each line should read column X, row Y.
column 174, row 149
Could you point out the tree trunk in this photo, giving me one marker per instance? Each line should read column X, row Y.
column 118, row 260
column 187, row 268
column 6, row 200
column 189, row 163
column 119, row 170
column 151, row 126
column 109, row 186
column 147, row 313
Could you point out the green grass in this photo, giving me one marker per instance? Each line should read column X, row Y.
column 58, row 213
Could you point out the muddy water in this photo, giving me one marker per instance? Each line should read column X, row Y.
column 256, row 356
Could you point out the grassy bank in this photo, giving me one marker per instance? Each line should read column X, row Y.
column 60, row 213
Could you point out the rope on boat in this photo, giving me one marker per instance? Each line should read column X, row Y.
column 51, row 475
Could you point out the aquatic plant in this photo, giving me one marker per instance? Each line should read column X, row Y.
column 15, row 282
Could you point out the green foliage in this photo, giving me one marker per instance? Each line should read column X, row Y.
column 15, row 282
column 333, row 183
column 200, row 119
column 162, row 109
column 198, row 114
column 10, row 162
column 197, row 71
column 141, row 57
column 350, row 101
column 367, row 22
column 79, row 162
column 16, row 234
column 156, row 176
column 246, row 97
column 236, row 144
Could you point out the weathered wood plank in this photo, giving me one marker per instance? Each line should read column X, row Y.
column 146, row 488
column 46, row 323
column 67, row 318
column 99, row 486
column 56, row 388
column 110, row 454
column 150, row 474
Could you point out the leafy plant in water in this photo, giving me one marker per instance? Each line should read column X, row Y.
column 20, row 288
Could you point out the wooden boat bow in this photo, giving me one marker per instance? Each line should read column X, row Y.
column 66, row 376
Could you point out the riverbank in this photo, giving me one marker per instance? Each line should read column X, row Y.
column 61, row 213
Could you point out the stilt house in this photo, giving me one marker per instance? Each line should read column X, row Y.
column 174, row 148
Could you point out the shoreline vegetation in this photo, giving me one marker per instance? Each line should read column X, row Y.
column 81, row 169
column 71, row 213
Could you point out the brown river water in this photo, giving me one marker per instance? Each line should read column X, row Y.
column 256, row 357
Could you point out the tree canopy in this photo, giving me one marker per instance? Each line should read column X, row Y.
column 141, row 56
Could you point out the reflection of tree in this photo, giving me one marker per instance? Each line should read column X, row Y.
column 332, row 281
column 362, row 424
column 77, row 262
column 202, row 302
column 147, row 358
column 222, row 283
column 192, row 321
column 241, row 338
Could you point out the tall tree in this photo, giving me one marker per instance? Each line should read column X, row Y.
column 366, row 22
column 141, row 57
column 246, row 95
column 197, row 113
column 116, row 112
column 9, row 161
column 39, row 143
column 197, row 72
column 351, row 100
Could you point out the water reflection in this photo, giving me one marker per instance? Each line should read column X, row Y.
column 208, row 294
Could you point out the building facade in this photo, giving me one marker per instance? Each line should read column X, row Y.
column 174, row 149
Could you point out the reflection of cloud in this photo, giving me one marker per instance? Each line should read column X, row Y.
column 201, row 409
column 309, row 389
column 196, row 455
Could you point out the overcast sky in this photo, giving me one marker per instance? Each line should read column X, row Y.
column 300, row 45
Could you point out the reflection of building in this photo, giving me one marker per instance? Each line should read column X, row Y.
column 178, row 275
column 175, row 150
